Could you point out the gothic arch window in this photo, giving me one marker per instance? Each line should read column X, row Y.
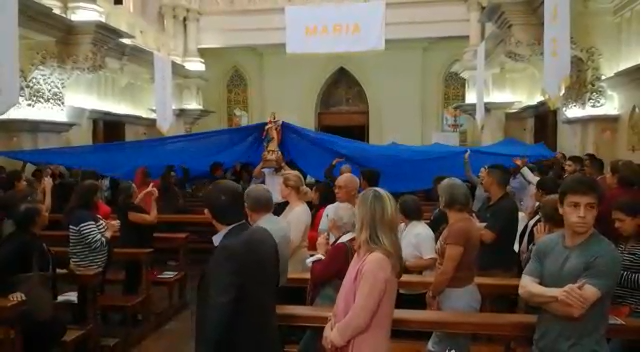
column 453, row 89
column 237, row 96
column 454, row 93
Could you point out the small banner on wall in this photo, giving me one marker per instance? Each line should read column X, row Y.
column 335, row 28
column 163, row 95
column 9, row 65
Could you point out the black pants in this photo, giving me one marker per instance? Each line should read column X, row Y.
column 133, row 278
column 413, row 301
column 42, row 336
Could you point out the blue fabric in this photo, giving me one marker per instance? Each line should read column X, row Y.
column 403, row 167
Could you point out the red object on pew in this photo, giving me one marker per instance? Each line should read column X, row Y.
column 103, row 210
column 312, row 235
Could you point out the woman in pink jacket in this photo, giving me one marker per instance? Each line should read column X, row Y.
column 362, row 316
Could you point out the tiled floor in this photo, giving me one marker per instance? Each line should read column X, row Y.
column 177, row 336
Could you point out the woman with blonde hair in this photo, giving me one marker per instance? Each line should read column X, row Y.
column 362, row 316
column 298, row 217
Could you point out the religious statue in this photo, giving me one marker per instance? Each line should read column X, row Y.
column 271, row 140
column 240, row 118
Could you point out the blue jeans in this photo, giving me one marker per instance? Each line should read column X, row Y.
column 618, row 345
column 312, row 340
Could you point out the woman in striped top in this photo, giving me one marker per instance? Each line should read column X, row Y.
column 625, row 302
column 88, row 233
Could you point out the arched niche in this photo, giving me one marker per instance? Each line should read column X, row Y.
column 237, row 97
column 342, row 106
column 454, row 90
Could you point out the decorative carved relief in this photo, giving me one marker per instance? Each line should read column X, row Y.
column 237, row 96
column 585, row 89
column 521, row 52
column 343, row 93
column 43, row 81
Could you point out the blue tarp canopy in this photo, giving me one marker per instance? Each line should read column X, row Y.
column 403, row 167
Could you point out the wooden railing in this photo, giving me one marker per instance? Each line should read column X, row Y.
column 511, row 325
column 487, row 285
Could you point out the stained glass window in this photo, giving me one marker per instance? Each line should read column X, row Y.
column 237, row 96
column 453, row 89
column 454, row 93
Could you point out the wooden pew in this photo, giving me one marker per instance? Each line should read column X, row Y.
column 176, row 242
column 88, row 332
column 496, row 324
column 10, row 339
column 177, row 218
column 488, row 286
column 198, row 226
column 130, row 305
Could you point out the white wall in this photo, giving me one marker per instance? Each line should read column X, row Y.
column 403, row 85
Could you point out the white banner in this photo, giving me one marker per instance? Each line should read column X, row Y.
column 480, row 84
column 9, row 65
column 556, row 47
column 163, row 95
column 335, row 28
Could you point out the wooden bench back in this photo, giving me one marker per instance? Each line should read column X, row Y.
column 509, row 325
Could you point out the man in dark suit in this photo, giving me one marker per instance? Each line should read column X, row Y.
column 236, row 297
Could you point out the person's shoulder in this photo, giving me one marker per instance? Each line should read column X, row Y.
column 508, row 204
column 134, row 208
column 377, row 261
column 466, row 226
column 421, row 230
column 603, row 244
column 549, row 242
column 80, row 216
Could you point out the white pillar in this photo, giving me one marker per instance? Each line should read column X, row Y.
column 83, row 10
column 179, row 32
column 192, row 59
column 493, row 128
column 57, row 6
column 168, row 17
column 193, row 17
column 475, row 29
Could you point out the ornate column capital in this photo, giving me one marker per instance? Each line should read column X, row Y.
column 190, row 117
column 193, row 15
column 180, row 13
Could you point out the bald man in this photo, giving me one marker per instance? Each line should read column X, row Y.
column 346, row 190
column 344, row 169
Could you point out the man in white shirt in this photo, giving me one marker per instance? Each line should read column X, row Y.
column 346, row 190
column 418, row 249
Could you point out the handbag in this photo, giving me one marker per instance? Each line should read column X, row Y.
column 36, row 287
column 329, row 292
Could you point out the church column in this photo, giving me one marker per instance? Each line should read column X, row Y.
column 57, row 6
column 85, row 10
column 179, row 33
column 493, row 127
column 168, row 19
column 192, row 58
column 475, row 30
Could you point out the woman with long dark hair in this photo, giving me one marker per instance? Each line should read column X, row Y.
column 168, row 196
column 625, row 301
column 89, row 233
column 136, row 229
column 322, row 196
column 23, row 256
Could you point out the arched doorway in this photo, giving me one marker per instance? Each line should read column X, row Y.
column 342, row 108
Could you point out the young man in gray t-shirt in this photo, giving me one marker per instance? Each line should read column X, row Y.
column 572, row 275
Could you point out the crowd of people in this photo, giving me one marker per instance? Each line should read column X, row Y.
column 567, row 228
